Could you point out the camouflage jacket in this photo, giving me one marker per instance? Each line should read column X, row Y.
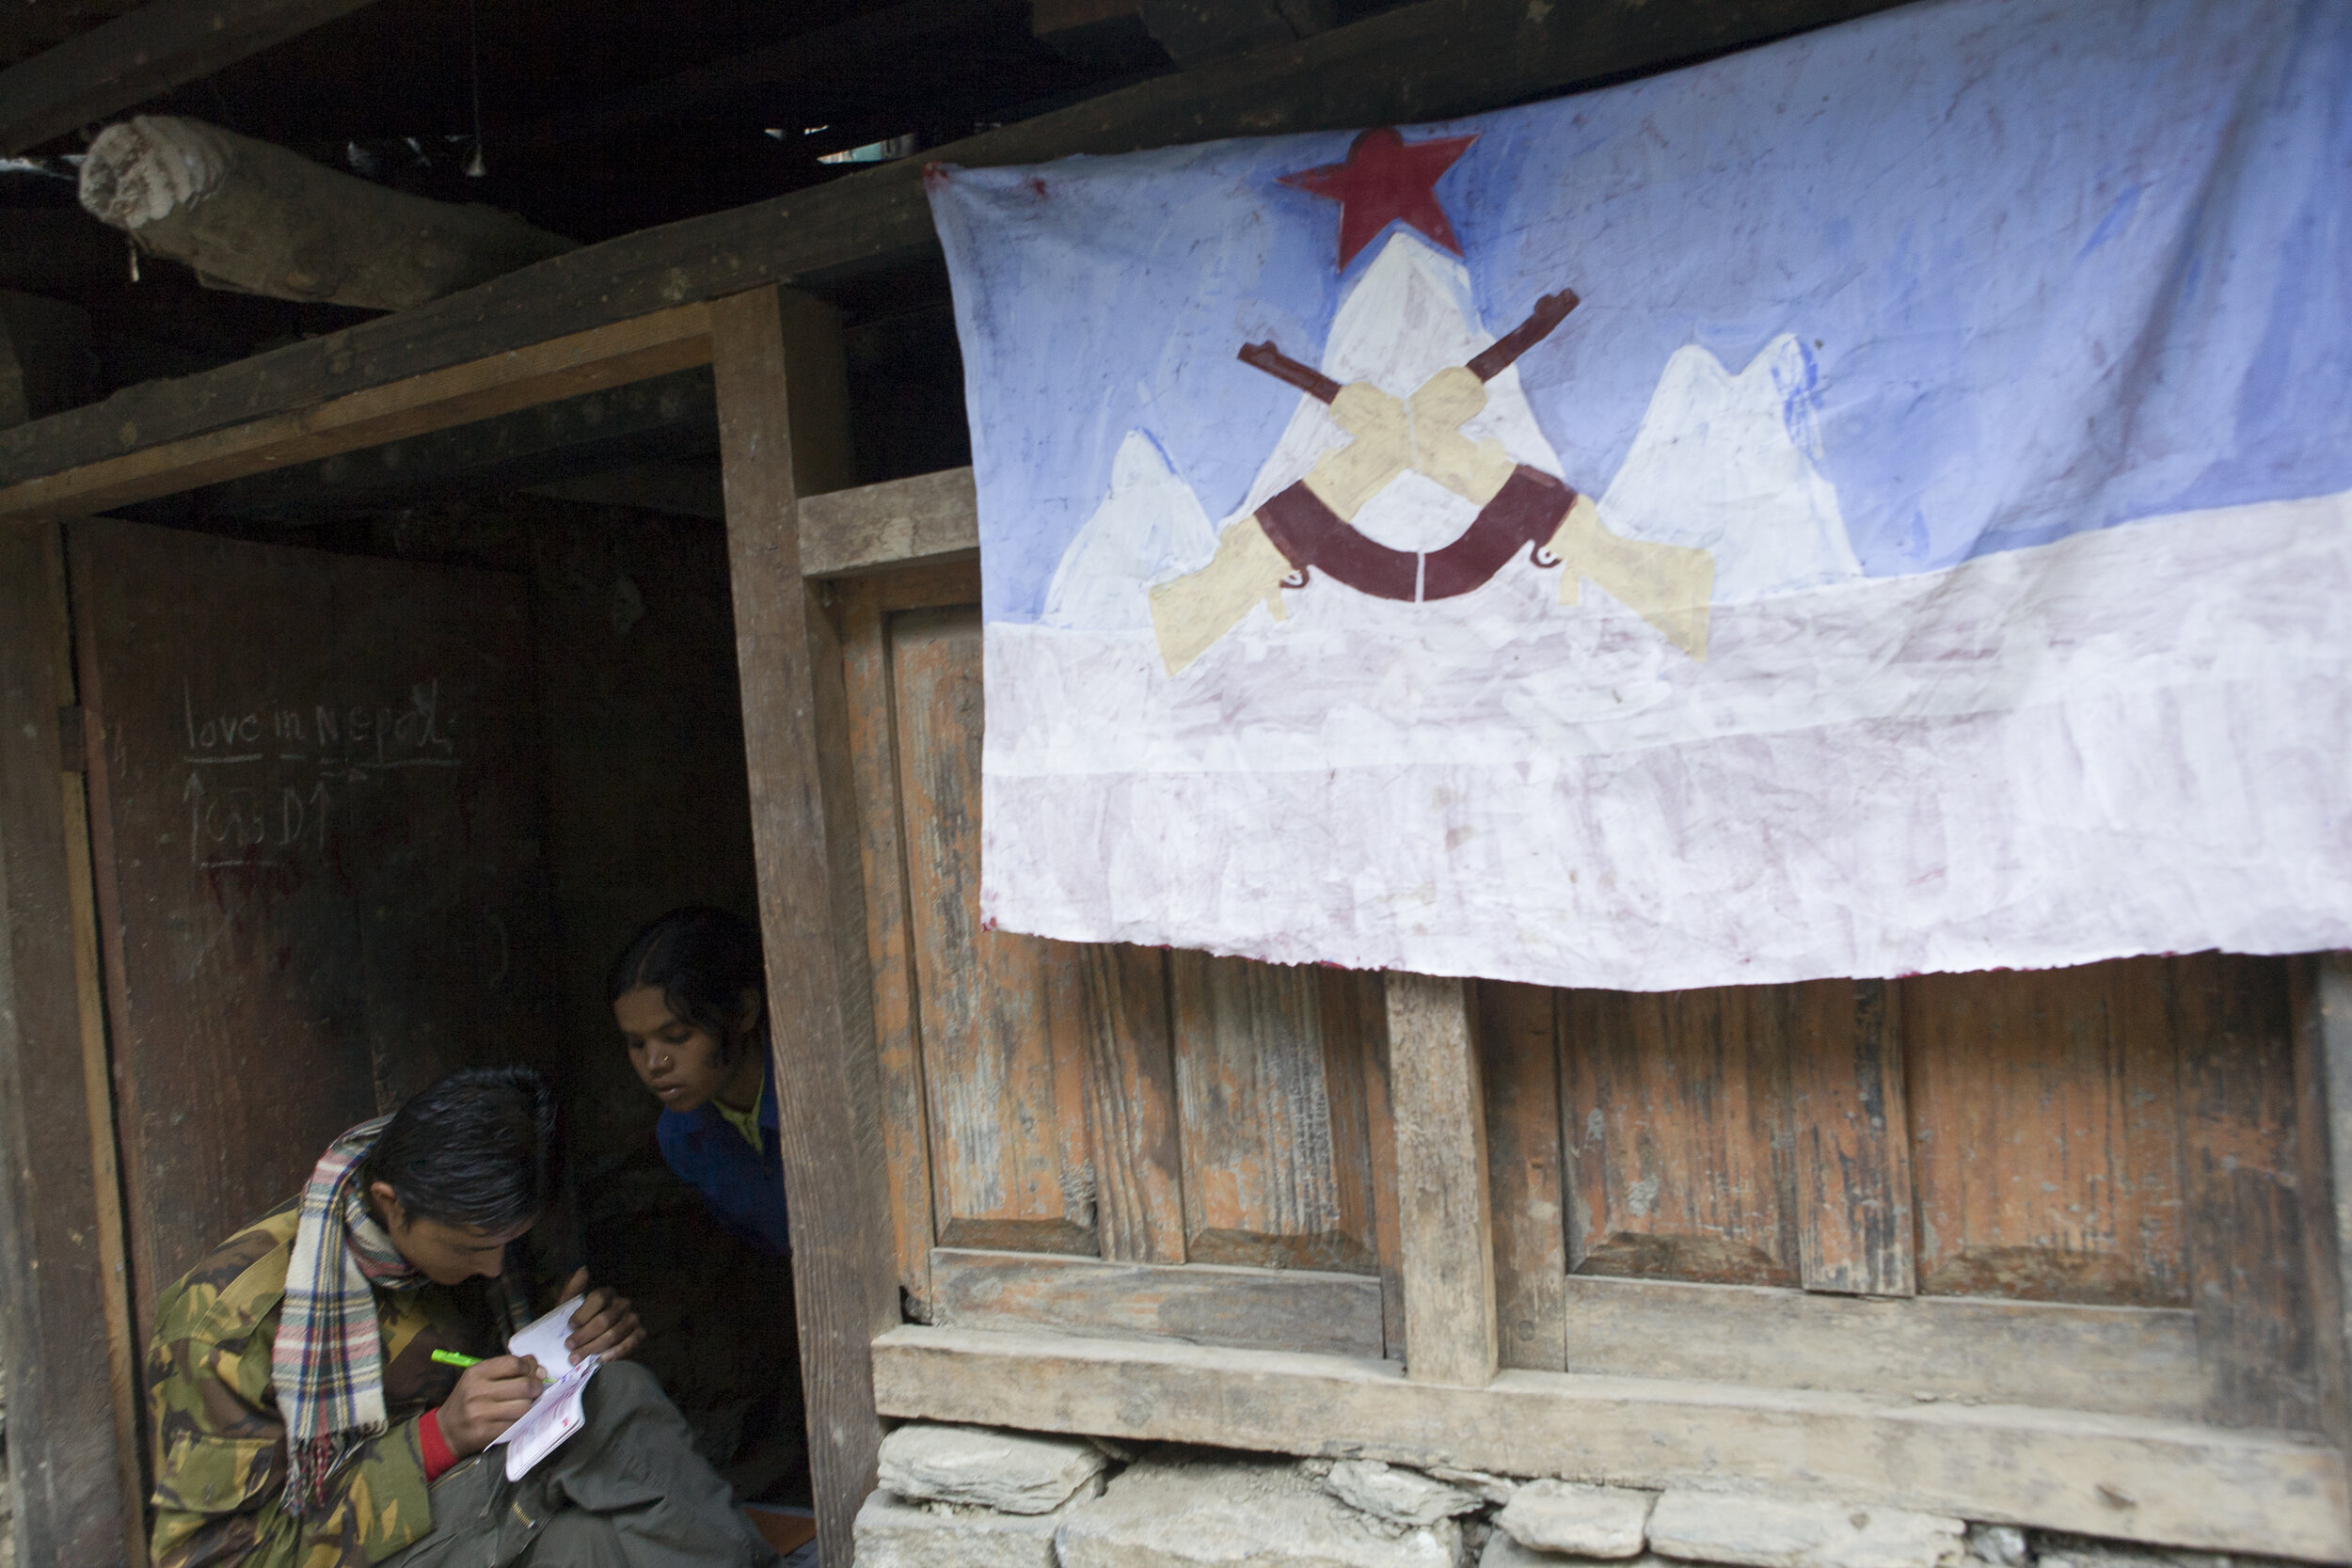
column 220, row 1447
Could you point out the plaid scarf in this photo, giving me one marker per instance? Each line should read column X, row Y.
column 328, row 1361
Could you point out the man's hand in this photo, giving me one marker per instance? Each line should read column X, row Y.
column 605, row 1325
column 490, row 1396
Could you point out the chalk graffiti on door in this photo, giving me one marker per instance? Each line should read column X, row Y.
column 259, row 774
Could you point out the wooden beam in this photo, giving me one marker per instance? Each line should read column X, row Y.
column 563, row 444
column 2103, row 1475
column 138, row 56
column 1441, row 1182
column 58, row 1279
column 1196, row 1304
column 2126, row 1360
column 784, row 432
column 625, row 351
column 1426, row 61
column 881, row 527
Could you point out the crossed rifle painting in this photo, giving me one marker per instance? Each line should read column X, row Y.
column 1875, row 503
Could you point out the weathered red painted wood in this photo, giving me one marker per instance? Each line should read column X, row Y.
column 1272, row 1176
column 998, row 1087
column 2046, row 1134
column 2248, row 1264
column 1674, row 1112
column 1518, row 1038
column 1855, row 1231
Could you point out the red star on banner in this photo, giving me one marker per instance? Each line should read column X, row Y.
column 1386, row 179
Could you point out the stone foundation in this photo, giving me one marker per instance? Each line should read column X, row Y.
column 974, row 1498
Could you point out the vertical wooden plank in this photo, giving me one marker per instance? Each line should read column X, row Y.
column 1008, row 1163
column 1351, row 1017
column 125, row 1356
column 64, row 1443
column 2046, row 1128
column 1263, row 1169
column 1854, row 1224
column 2245, row 1249
column 1442, row 1197
column 2319, row 1089
column 783, row 432
column 1388, row 1234
column 897, row 1047
column 1116, row 1015
column 1520, row 1061
column 1675, row 1117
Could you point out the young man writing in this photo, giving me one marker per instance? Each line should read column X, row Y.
column 302, row 1421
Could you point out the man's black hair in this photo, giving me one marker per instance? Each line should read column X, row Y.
column 702, row 961
column 476, row 1148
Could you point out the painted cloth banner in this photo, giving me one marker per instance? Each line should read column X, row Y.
column 1877, row 504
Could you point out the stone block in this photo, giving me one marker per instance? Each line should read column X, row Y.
column 1015, row 1472
column 1395, row 1495
column 2003, row 1545
column 1503, row 1552
column 1184, row 1511
column 892, row 1532
column 1583, row 1521
column 1771, row 1533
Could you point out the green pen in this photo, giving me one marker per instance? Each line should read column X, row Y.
column 451, row 1358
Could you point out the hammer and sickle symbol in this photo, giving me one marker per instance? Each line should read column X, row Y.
column 1310, row 524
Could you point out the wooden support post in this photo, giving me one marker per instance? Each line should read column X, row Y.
column 2323, row 1095
column 782, row 432
column 1442, row 1200
column 65, row 1340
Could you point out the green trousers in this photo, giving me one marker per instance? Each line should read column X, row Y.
column 628, row 1491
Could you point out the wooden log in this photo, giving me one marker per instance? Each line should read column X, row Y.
column 60, row 1246
column 136, row 56
column 1442, row 1183
column 783, row 428
column 262, row 220
column 1423, row 61
column 2167, row 1481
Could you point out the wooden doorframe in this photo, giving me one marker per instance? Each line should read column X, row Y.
column 73, row 1401
column 77, row 1458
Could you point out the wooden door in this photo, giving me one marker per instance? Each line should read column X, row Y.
column 317, row 830
column 1207, row 1133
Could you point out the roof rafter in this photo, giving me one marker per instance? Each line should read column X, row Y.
column 135, row 57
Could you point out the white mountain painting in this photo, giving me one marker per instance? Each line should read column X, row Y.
column 1148, row 523
column 1725, row 463
column 1729, row 464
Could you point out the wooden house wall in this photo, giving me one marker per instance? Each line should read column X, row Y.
column 2002, row 1176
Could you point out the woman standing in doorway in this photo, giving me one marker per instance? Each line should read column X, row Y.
column 690, row 996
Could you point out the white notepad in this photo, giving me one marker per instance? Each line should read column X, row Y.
column 549, row 1423
column 557, row 1413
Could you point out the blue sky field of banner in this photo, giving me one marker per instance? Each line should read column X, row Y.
column 2051, row 266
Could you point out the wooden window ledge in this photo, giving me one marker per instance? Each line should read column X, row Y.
column 2134, row 1477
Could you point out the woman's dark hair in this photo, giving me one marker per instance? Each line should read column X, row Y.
column 702, row 961
column 476, row 1148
